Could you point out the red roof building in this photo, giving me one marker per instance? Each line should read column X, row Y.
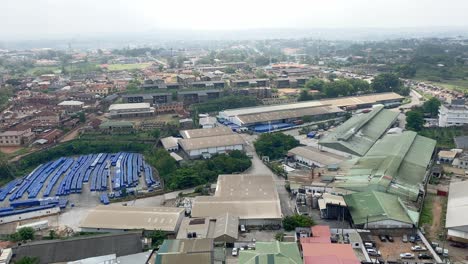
column 318, row 249
column 320, row 234
column 318, row 253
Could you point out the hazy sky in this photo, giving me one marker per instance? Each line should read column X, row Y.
column 32, row 18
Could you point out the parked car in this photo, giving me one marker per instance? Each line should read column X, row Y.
column 382, row 238
column 242, row 228
column 405, row 239
column 424, row 256
column 235, row 251
column 434, row 244
column 390, row 238
column 368, row 245
column 418, row 248
column 373, row 252
column 406, row 255
column 412, row 239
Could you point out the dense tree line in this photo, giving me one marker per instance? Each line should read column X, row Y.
column 225, row 102
column 76, row 147
column 386, row 82
column 415, row 117
column 290, row 222
column 275, row 145
column 196, row 172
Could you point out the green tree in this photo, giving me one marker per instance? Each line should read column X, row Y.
column 261, row 74
column 262, row 61
column 157, row 237
column 156, row 133
column 229, row 70
column 405, row 71
column 414, row 120
column 338, row 88
column 431, row 107
column 279, row 236
column 275, row 145
column 26, row 233
column 6, row 170
column 386, row 82
column 28, row 260
column 305, row 96
column 52, row 234
column 172, row 63
column 132, row 87
column 315, row 84
column 82, row 117
column 331, row 77
column 290, row 222
column 360, row 86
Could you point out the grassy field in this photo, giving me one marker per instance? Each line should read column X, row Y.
column 39, row 70
column 445, row 135
column 426, row 212
column 122, row 67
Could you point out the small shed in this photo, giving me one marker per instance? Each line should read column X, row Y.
column 227, row 229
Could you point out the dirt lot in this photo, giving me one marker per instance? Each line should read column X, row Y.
column 438, row 215
column 392, row 251
column 9, row 150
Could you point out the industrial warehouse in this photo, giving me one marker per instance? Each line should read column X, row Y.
column 357, row 135
column 118, row 218
column 209, row 141
column 131, row 110
column 252, row 198
column 396, row 164
column 269, row 118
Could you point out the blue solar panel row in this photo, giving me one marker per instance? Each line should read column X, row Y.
column 26, row 210
column 69, row 174
column 9, row 188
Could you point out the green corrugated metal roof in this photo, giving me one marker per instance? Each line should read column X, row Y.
column 271, row 253
column 357, row 135
column 395, row 164
column 367, row 207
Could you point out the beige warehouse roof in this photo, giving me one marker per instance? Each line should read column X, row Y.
column 362, row 100
column 447, row 154
column 206, row 132
column 128, row 106
column 169, row 142
column 457, row 206
column 131, row 217
column 316, row 155
column 227, row 225
column 244, row 195
column 288, row 113
column 211, row 142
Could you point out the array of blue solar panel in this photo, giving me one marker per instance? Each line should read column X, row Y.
column 93, row 168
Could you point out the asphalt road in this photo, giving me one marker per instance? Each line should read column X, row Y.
column 259, row 168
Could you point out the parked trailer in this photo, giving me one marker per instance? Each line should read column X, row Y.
column 104, row 198
column 9, row 188
column 36, row 225
column 35, row 212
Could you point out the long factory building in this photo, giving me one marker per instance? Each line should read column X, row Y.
column 278, row 116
